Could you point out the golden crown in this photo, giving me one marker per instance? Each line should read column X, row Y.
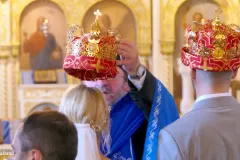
column 212, row 45
column 93, row 44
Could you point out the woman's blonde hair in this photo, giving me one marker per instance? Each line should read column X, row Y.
column 86, row 105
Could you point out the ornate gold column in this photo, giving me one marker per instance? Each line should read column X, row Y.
column 144, row 30
column 3, row 86
column 162, row 57
column 8, row 64
column 167, row 65
column 4, row 55
column 12, row 82
column 156, row 57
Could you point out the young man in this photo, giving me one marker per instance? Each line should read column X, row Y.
column 45, row 136
column 132, row 109
column 212, row 129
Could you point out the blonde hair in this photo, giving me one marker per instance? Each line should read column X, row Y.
column 86, row 105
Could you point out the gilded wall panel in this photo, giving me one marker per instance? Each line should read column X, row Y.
column 75, row 11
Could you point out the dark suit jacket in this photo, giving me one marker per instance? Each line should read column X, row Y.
column 143, row 99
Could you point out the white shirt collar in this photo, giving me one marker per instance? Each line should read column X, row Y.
column 207, row 96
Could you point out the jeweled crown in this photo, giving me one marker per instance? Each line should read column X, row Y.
column 91, row 56
column 212, row 45
column 93, row 44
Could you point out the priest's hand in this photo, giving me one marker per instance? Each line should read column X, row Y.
column 129, row 57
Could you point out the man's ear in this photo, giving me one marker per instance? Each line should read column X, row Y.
column 193, row 74
column 235, row 72
column 34, row 154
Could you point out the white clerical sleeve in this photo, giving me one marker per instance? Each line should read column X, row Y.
column 87, row 143
column 167, row 147
column 138, row 83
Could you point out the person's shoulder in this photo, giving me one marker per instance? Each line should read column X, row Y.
column 187, row 123
column 198, row 120
column 183, row 130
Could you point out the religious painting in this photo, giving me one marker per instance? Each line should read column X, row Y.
column 188, row 13
column 43, row 36
column 115, row 15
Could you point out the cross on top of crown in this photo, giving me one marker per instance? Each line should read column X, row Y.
column 218, row 11
column 97, row 13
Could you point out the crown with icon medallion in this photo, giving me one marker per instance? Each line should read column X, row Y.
column 212, row 46
column 91, row 56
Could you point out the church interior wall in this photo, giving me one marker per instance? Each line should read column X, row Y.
column 19, row 16
column 159, row 39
